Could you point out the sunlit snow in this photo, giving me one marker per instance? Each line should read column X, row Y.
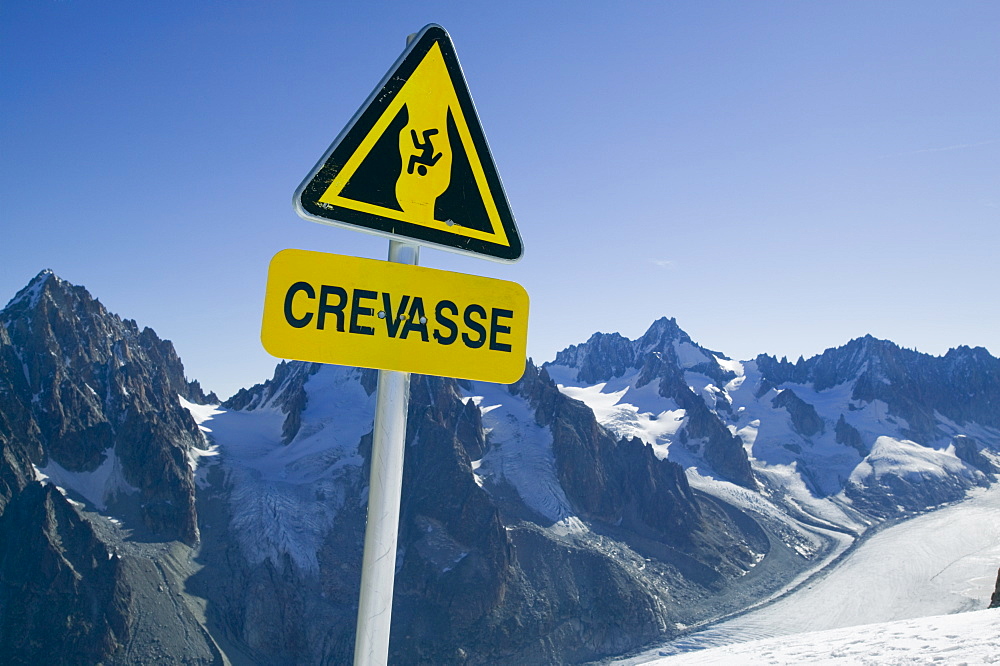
column 98, row 487
column 908, row 460
column 688, row 355
column 275, row 487
column 937, row 563
column 624, row 408
column 965, row 638
column 520, row 453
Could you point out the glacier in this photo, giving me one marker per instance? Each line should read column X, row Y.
column 285, row 497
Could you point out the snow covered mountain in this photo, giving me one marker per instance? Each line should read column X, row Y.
column 843, row 440
column 529, row 534
column 609, row 499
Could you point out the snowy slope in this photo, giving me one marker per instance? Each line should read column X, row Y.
column 520, row 452
column 937, row 563
column 98, row 487
column 285, row 497
column 521, row 455
column 625, row 409
column 965, row 638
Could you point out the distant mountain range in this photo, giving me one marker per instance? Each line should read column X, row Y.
column 610, row 498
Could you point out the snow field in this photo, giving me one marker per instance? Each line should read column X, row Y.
column 908, row 460
column 98, row 487
column 938, row 563
column 961, row 639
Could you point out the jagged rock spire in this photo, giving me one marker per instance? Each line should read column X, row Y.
column 85, row 390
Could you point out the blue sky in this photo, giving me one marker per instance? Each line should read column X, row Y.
column 781, row 177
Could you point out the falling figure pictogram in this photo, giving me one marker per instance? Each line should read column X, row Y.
column 426, row 158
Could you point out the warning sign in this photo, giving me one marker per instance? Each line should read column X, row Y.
column 414, row 162
column 329, row 308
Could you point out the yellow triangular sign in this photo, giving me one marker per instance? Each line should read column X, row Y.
column 414, row 162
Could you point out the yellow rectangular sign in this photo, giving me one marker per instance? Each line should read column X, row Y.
column 329, row 308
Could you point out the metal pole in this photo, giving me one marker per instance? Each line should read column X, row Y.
column 378, row 566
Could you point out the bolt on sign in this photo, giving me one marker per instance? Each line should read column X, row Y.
column 413, row 163
column 330, row 308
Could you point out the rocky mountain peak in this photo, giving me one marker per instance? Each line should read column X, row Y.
column 29, row 296
column 666, row 354
column 871, row 353
column 603, row 356
column 54, row 317
column 89, row 393
column 662, row 333
column 964, row 356
column 834, row 366
column 962, row 385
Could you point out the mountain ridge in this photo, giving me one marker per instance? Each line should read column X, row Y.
column 612, row 496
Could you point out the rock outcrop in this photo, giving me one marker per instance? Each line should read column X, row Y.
column 61, row 590
column 84, row 390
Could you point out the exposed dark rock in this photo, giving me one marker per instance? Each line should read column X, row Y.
column 70, row 595
column 655, row 356
column 995, row 599
column 602, row 357
column 967, row 450
column 459, row 561
column 722, row 450
column 477, row 583
column 469, row 431
column 61, row 597
column 15, row 465
column 80, row 384
column 476, row 588
column 849, row 435
column 963, row 385
column 890, row 495
column 579, row 443
column 619, row 482
column 775, row 372
column 805, row 420
column 608, row 355
column 663, row 339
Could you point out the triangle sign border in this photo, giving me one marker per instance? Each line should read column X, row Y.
column 307, row 196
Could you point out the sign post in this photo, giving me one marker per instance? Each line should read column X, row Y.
column 385, row 487
column 413, row 165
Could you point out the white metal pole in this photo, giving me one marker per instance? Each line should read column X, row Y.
column 378, row 566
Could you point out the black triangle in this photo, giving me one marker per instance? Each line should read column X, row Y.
column 375, row 180
column 462, row 202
